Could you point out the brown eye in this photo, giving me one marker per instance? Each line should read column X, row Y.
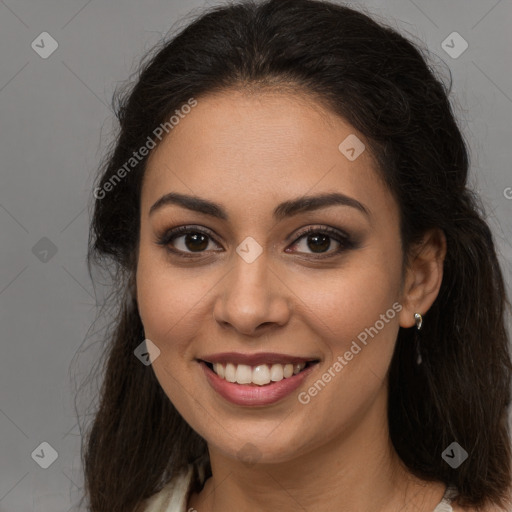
column 189, row 241
column 194, row 241
column 185, row 240
column 316, row 240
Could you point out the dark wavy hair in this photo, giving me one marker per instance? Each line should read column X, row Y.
column 382, row 84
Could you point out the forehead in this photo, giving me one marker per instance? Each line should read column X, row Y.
column 253, row 148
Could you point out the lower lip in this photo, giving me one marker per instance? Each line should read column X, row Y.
column 252, row 394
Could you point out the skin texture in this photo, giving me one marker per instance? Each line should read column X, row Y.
column 250, row 153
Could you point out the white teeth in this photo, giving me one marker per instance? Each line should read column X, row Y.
column 260, row 375
column 276, row 372
column 230, row 373
column 243, row 374
column 219, row 369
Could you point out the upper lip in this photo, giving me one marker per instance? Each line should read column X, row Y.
column 255, row 359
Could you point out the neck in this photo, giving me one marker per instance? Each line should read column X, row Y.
column 357, row 470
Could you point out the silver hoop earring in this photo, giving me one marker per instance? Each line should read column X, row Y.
column 419, row 322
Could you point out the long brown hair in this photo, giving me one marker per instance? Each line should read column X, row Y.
column 383, row 85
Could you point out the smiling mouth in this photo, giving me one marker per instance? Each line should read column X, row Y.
column 260, row 375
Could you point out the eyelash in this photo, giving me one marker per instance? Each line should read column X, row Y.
column 346, row 243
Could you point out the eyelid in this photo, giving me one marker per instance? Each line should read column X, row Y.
column 319, row 228
column 168, row 235
column 344, row 240
column 341, row 237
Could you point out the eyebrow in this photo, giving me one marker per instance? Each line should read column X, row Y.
column 283, row 210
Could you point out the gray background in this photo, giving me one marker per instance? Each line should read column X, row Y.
column 56, row 123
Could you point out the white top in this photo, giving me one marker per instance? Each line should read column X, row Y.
column 173, row 497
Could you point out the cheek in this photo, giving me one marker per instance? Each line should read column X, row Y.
column 166, row 306
column 354, row 316
column 342, row 304
column 164, row 298
column 355, row 321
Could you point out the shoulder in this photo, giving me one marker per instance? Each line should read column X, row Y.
column 451, row 499
column 489, row 508
column 173, row 496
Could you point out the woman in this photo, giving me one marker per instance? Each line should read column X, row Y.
column 312, row 313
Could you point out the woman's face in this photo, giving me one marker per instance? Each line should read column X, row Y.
column 247, row 281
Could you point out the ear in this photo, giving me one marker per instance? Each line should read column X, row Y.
column 424, row 275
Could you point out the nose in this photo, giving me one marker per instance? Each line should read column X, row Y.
column 252, row 298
